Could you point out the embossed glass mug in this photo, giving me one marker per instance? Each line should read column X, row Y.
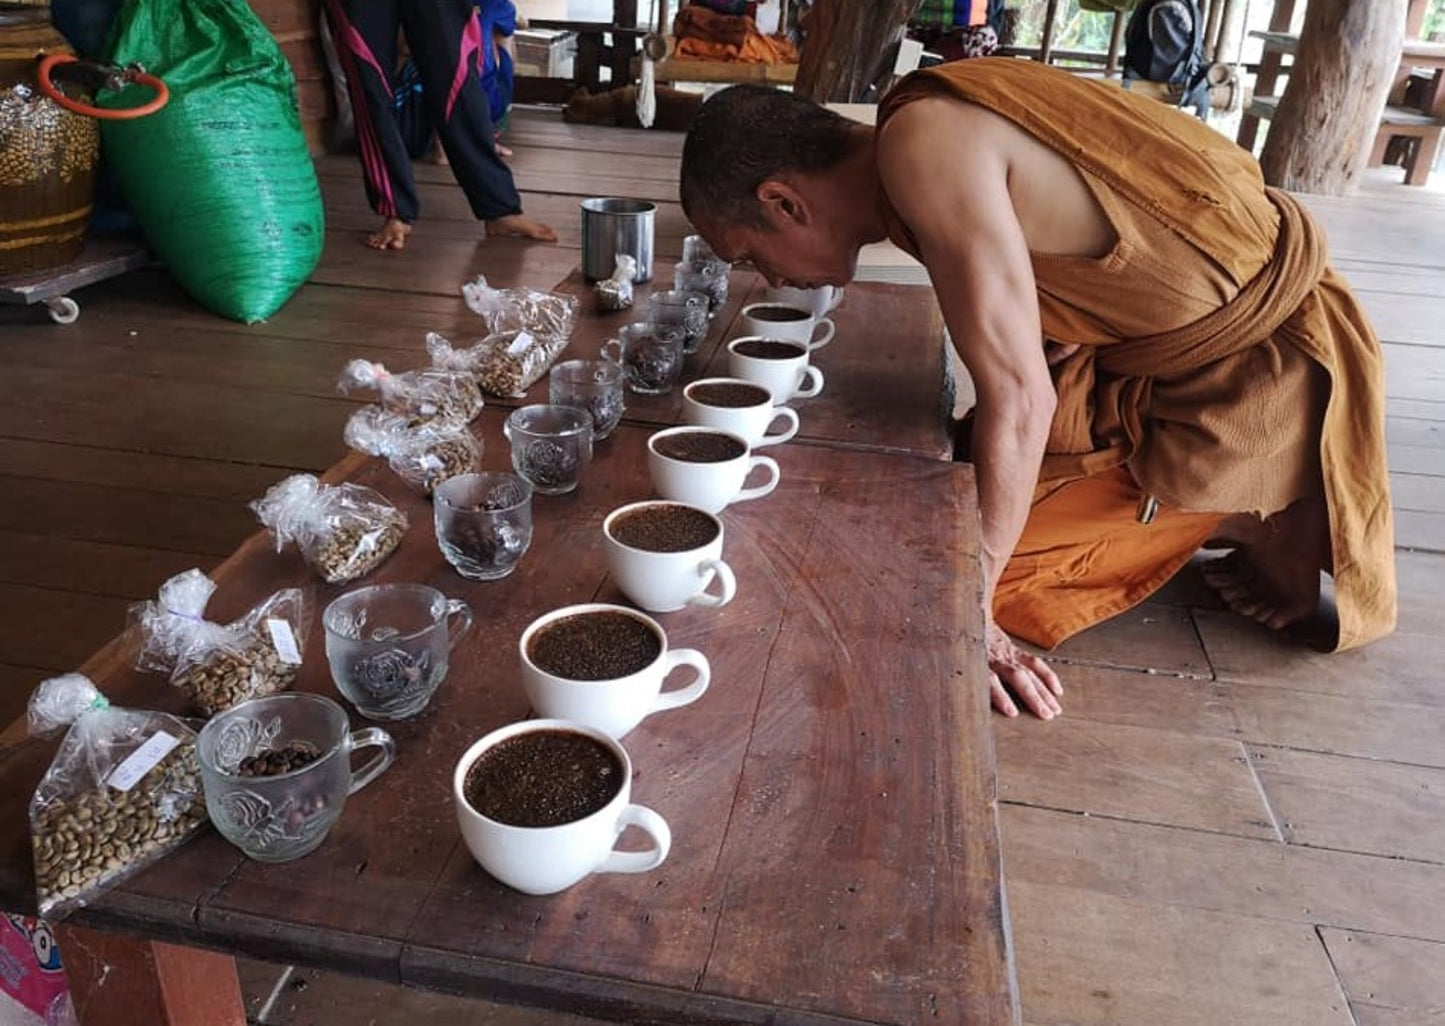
column 283, row 816
column 389, row 645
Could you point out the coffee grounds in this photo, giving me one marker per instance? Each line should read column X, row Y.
column 601, row 645
column 664, row 528
column 769, row 349
column 779, row 314
column 700, row 447
column 730, row 395
column 543, row 778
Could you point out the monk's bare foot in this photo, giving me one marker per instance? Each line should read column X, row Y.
column 437, row 155
column 521, row 226
column 505, row 152
column 1273, row 575
column 392, row 235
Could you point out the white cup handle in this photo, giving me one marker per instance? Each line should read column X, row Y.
column 819, row 343
column 836, row 298
column 718, row 571
column 649, row 823
column 805, row 391
column 692, row 692
column 788, row 414
column 758, row 491
column 608, row 348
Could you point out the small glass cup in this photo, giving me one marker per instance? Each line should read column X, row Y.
column 591, row 385
column 650, row 354
column 551, row 445
column 686, row 311
column 278, row 816
column 389, row 646
column 710, row 277
column 695, row 247
column 483, row 523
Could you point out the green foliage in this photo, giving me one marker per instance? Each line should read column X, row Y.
column 1074, row 28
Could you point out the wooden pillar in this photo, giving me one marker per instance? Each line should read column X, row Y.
column 1270, row 64
column 1046, row 43
column 124, row 981
column 1116, row 44
column 624, row 45
column 846, row 46
column 1327, row 118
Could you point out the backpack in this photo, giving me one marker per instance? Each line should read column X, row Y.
column 1164, row 42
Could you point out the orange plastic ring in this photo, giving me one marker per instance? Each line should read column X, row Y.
column 159, row 100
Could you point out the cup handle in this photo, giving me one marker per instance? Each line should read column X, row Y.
column 758, row 491
column 649, row 823
column 377, row 764
column 727, row 584
column 819, row 343
column 788, row 414
column 806, row 391
column 459, row 621
column 837, row 297
column 608, row 348
column 693, row 691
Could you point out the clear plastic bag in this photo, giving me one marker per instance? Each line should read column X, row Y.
column 543, row 315
column 423, row 455
column 431, row 393
column 342, row 531
column 219, row 665
column 123, row 790
column 506, row 363
column 615, row 293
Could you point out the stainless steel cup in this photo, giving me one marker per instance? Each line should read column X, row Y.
column 612, row 226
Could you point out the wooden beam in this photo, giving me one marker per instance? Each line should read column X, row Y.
column 847, row 47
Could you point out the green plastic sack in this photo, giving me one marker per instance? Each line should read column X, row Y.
column 220, row 178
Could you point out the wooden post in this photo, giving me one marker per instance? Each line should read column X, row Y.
column 1116, row 44
column 846, row 46
column 624, row 46
column 1269, row 68
column 1046, row 44
column 1320, row 136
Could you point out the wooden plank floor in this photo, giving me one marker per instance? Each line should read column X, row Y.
column 1221, row 829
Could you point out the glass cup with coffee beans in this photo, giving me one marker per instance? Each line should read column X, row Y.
column 483, row 523
column 551, row 445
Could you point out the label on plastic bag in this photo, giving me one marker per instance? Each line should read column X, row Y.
column 141, row 761
column 284, row 640
column 521, row 344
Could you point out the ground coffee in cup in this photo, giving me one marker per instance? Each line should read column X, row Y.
column 770, row 349
column 601, row 645
column 664, row 527
column 731, row 395
column 699, row 447
column 779, row 314
column 543, row 778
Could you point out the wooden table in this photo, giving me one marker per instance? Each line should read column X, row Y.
column 832, row 797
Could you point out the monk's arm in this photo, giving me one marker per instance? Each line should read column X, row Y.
column 950, row 186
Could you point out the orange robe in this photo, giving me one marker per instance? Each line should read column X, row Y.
column 1224, row 367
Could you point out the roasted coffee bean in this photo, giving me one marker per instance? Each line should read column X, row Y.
column 272, row 762
column 549, row 464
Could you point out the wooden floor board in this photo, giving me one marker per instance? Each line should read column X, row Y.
column 1151, row 637
column 1389, row 981
column 130, row 469
column 56, row 630
column 96, row 568
column 1342, row 724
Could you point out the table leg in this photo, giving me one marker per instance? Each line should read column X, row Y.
column 124, row 981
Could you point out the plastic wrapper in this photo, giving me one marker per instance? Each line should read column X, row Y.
column 342, row 531
column 431, row 393
column 422, row 455
column 615, row 293
column 220, row 665
column 543, row 315
column 123, row 790
column 505, row 364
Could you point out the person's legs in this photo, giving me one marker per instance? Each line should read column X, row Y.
column 364, row 32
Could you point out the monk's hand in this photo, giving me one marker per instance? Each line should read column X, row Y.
column 1025, row 674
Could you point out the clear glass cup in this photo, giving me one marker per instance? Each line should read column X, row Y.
column 650, row 355
column 710, row 277
column 551, row 445
column 483, row 523
column 686, row 311
column 591, row 385
column 389, row 646
column 275, row 818
column 695, row 247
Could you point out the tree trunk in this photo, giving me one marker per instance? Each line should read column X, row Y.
column 1320, row 137
column 847, row 45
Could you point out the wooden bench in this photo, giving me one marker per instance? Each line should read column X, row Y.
column 1422, row 130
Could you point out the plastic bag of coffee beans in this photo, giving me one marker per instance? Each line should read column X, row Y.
column 505, row 364
column 342, row 531
column 219, row 665
column 427, row 394
column 543, row 315
column 423, row 455
column 123, row 790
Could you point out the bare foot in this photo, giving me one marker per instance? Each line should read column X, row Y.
column 436, row 154
column 1273, row 576
column 505, row 152
column 521, row 226
column 392, row 235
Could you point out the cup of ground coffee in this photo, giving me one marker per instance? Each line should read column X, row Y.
column 778, row 365
column 732, row 404
column 794, row 323
column 665, row 555
column 541, row 805
column 816, row 301
column 706, row 468
column 604, row 666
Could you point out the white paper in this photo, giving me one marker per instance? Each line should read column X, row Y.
column 142, row 761
column 520, row 344
column 284, row 640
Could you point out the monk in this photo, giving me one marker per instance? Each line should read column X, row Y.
column 1162, row 357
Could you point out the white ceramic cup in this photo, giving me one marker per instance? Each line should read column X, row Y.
column 710, row 486
column 616, row 705
column 788, row 377
column 786, row 320
column 751, row 420
column 663, row 579
column 545, row 860
column 818, row 301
